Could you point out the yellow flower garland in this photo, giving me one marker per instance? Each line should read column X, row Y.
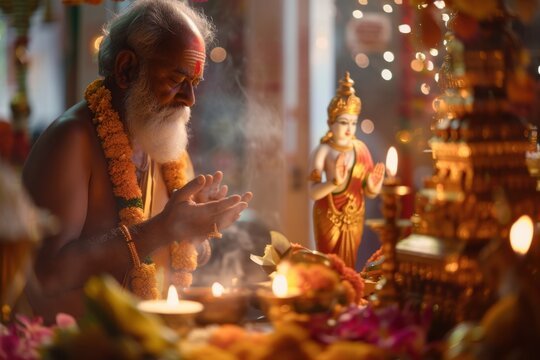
column 117, row 149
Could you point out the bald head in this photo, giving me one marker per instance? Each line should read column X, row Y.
column 149, row 27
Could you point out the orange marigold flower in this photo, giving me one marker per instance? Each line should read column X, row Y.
column 143, row 281
column 205, row 352
column 350, row 293
column 131, row 216
column 226, row 335
column 181, row 279
column 356, row 281
column 315, row 277
column 348, row 274
column 337, row 262
column 174, row 173
column 183, row 256
column 144, row 271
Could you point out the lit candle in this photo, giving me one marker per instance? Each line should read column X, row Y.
column 278, row 301
column 170, row 306
column 179, row 315
column 391, row 164
column 521, row 234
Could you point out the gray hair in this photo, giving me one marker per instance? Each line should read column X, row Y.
column 143, row 27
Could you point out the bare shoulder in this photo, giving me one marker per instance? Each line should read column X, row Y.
column 73, row 126
column 64, row 146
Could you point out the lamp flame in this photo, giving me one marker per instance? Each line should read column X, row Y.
column 217, row 289
column 279, row 285
column 521, row 234
column 392, row 161
column 172, row 296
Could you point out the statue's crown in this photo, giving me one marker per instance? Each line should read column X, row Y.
column 345, row 101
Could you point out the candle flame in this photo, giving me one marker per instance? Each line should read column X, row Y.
column 172, row 296
column 392, row 161
column 217, row 289
column 279, row 285
column 521, row 234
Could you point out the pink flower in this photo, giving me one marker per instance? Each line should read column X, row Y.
column 397, row 330
column 65, row 321
column 22, row 339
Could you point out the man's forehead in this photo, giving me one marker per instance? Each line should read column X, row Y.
column 188, row 54
column 187, row 60
column 194, row 62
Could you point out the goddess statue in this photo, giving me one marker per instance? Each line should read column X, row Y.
column 338, row 211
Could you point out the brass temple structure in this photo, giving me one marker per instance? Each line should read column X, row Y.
column 480, row 183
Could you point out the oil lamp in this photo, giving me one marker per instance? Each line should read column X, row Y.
column 221, row 305
column 177, row 314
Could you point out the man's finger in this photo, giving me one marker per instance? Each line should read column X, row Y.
column 218, row 206
column 218, row 176
column 247, row 196
column 188, row 190
column 230, row 215
column 209, row 180
column 222, row 192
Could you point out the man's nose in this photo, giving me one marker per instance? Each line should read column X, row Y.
column 186, row 95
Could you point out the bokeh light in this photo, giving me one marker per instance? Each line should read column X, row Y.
column 388, row 56
column 386, row 74
column 357, row 14
column 439, row 4
column 404, row 28
column 417, row 65
column 218, row 54
column 367, row 126
column 404, row 136
column 361, row 60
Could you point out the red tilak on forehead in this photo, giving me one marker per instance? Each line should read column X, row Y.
column 195, row 61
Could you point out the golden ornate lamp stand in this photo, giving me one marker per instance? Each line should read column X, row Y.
column 389, row 230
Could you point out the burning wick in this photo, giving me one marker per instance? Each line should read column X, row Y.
column 521, row 234
column 170, row 306
column 279, row 286
column 172, row 297
column 217, row 289
column 391, row 162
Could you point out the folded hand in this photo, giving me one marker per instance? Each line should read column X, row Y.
column 193, row 210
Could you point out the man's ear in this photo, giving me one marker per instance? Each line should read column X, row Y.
column 125, row 68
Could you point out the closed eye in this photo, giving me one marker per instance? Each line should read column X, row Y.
column 180, row 80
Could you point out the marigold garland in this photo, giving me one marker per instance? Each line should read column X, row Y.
column 118, row 152
column 348, row 274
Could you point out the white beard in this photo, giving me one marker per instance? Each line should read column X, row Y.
column 161, row 133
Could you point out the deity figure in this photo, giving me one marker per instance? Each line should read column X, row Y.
column 346, row 162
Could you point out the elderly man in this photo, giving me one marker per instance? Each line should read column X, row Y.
column 113, row 167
